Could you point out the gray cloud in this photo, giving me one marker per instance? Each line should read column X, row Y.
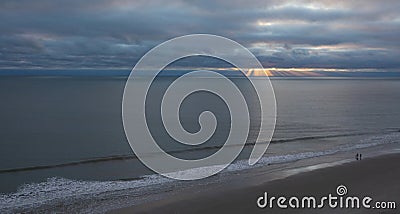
column 116, row 33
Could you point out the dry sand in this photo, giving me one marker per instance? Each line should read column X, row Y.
column 377, row 177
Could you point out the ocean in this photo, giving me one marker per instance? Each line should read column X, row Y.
column 62, row 140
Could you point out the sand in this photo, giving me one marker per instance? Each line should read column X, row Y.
column 377, row 177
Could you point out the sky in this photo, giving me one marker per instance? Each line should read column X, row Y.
column 332, row 35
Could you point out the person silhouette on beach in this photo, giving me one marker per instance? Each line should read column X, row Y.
column 357, row 155
column 360, row 156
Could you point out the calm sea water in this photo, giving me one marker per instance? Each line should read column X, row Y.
column 71, row 127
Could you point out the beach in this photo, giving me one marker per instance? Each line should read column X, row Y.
column 376, row 177
column 85, row 165
column 199, row 106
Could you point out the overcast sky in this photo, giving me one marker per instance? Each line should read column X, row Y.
column 282, row 34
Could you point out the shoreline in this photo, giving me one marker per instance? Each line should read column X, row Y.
column 375, row 176
column 129, row 196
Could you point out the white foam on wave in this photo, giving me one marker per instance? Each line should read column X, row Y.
column 98, row 196
column 64, row 191
column 365, row 143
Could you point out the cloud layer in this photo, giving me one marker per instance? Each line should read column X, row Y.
column 282, row 34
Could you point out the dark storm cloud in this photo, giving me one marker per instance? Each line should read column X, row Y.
column 102, row 34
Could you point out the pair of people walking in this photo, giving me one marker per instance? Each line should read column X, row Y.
column 358, row 156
